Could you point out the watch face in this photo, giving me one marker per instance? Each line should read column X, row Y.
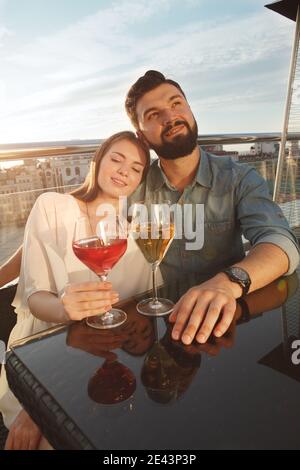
column 240, row 274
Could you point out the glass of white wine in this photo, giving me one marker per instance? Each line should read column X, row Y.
column 152, row 227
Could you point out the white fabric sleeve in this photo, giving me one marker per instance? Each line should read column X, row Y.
column 38, row 248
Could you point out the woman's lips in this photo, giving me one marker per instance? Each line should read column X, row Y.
column 119, row 182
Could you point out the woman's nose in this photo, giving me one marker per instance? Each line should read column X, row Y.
column 123, row 170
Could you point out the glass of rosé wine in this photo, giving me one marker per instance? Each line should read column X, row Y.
column 100, row 248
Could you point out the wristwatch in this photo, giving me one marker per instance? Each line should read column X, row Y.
column 240, row 276
column 245, row 316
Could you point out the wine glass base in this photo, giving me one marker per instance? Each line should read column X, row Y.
column 116, row 318
column 155, row 309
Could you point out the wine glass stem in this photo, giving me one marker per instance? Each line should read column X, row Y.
column 154, row 288
column 107, row 315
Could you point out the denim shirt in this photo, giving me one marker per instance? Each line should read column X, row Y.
column 236, row 202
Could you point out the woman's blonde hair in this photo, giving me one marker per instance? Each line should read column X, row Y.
column 88, row 191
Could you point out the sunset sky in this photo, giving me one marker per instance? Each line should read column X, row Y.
column 66, row 65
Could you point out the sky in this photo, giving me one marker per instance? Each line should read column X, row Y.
column 66, row 65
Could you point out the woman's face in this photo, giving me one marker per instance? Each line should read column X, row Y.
column 121, row 169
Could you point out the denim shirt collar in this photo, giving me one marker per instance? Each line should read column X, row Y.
column 203, row 175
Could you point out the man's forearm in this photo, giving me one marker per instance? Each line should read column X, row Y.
column 197, row 314
column 264, row 263
column 11, row 269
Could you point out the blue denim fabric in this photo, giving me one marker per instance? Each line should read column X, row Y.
column 236, row 202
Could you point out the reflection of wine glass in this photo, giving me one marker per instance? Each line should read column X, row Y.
column 159, row 375
column 100, row 249
column 168, row 371
column 111, row 384
column 152, row 227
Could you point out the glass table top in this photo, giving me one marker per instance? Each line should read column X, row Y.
column 133, row 387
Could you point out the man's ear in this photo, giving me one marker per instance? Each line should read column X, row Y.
column 141, row 136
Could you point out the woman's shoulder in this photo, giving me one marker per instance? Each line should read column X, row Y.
column 52, row 198
column 53, row 209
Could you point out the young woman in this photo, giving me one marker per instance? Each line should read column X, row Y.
column 54, row 286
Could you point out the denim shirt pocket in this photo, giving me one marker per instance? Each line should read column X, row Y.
column 218, row 228
column 218, row 241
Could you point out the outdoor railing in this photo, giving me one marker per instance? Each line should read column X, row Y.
column 23, row 151
column 60, row 167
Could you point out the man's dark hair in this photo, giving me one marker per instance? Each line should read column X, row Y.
column 151, row 80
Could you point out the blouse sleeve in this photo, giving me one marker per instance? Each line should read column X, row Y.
column 42, row 267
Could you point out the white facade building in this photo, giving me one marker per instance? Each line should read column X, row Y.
column 265, row 147
column 21, row 185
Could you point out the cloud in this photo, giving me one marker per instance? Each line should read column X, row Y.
column 4, row 34
column 90, row 41
column 217, row 46
column 73, row 82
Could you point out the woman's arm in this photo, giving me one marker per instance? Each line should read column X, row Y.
column 11, row 269
column 77, row 302
column 47, row 307
column 23, row 434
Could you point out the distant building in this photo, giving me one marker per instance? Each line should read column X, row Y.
column 219, row 151
column 265, row 148
column 17, row 192
column 213, row 148
column 293, row 149
column 21, row 185
column 71, row 169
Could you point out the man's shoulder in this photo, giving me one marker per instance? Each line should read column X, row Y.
column 228, row 174
column 224, row 162
column 227, row 165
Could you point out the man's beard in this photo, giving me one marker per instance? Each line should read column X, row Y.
column 181, row 145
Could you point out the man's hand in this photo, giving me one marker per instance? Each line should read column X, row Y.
column 204, row 309
column 23, row 434
column 214, row 346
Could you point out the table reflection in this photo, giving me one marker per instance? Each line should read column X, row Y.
column 169, row 367
column 166, row 372
column 134, row 383
column 280, row 357
column 112, row 383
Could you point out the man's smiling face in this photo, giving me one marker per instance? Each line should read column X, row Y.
column 166, row 122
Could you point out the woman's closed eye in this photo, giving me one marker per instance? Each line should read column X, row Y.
column 120, row 160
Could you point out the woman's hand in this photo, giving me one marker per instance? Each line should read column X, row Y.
column 87, row 299
column 97, row 342
column 23, row 434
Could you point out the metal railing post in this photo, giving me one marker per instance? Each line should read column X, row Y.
column 281, row 157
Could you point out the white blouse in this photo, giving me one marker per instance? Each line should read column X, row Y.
column 49, row 264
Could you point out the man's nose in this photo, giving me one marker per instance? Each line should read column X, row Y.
column 168, row 116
